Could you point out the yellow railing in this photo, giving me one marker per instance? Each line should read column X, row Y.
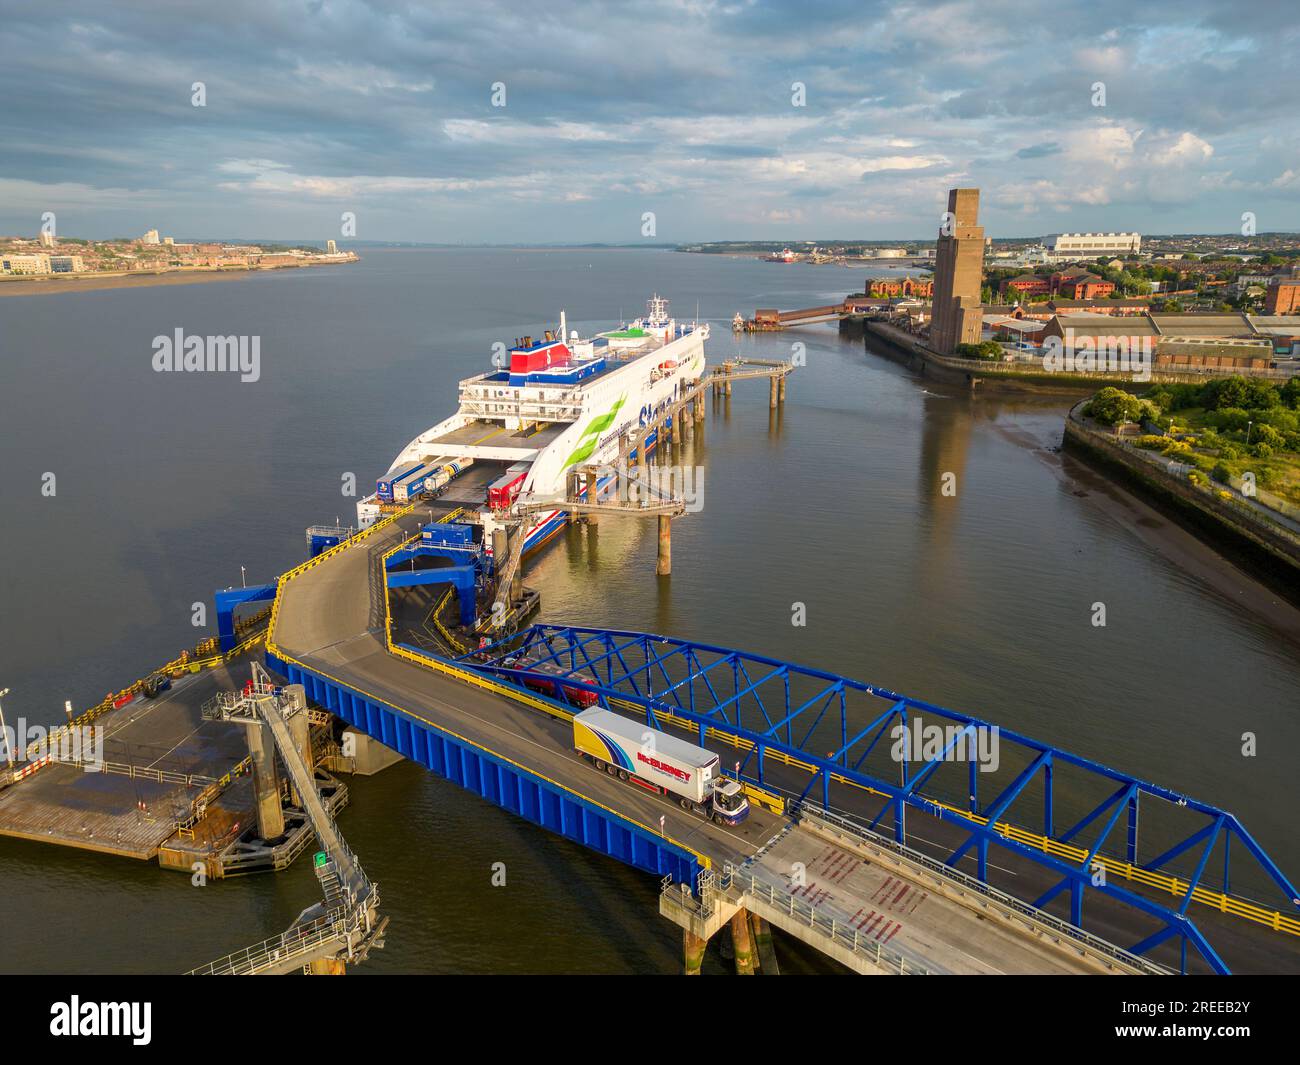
column 1175, row 886
column 185, row 663
column 324, row 556
column 703, row 859
column 454, row 671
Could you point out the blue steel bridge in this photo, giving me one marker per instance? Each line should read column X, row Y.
column 1162, row 876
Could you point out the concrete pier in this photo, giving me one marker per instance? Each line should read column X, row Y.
column 764, row 947
column 664, row 562
column 266, row 782
column 775, row 388
column 592, row 492
column 514, row 534
column 742, row 944
column 693, row 948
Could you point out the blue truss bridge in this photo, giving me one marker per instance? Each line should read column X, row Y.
column 888, row 855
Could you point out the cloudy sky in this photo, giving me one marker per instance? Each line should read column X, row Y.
column 685, row 109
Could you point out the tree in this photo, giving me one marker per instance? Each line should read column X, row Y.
column 1226, row 392
column 1112, row 406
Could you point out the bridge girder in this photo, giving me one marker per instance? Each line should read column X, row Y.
column 669, row 681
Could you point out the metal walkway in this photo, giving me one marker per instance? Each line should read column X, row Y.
column 346, row 926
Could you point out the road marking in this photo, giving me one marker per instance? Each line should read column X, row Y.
column 745, row 846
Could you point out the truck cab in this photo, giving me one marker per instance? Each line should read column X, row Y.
column 730, row 806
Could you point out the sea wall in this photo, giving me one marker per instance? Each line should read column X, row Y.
column 1006, row 376
column 1231, row 524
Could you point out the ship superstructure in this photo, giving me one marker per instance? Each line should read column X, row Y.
column 561, row 403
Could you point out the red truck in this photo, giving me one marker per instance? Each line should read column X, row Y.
column 505, row 489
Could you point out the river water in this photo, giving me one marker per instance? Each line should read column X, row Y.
column 168, row 483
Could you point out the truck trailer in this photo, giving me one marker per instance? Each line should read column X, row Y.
column 664, row 764
column 384, row 486
column 505, row 489
column 414, row 479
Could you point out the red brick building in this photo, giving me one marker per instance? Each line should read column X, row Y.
column 1081, row 285
column 1283, row 296
column 1027, row 285
column 893, row 288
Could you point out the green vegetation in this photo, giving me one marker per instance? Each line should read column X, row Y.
column 1114, row 406
column 988, row 349
column 1226, row 427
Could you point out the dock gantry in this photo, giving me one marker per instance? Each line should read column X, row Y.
column 345, row 926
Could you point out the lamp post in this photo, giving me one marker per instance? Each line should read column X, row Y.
column 4, row 733
column 1249, row 423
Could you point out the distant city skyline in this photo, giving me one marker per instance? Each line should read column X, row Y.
column 757, row 122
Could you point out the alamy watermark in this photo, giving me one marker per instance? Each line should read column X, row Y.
column 1088, row 354
column 76, row 745
column 920, row 741
column 649, row 485
column 209, row 354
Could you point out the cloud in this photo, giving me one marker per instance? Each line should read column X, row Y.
column 683, row 107
column 1039, row 151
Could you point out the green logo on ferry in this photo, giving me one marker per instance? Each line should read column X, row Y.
column 590, row 435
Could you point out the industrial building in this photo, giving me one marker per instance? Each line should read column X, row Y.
column 1069, row 247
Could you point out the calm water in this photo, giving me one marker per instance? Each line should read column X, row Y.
column 168, row 483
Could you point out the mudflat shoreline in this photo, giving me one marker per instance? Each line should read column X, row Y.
column 48, row 285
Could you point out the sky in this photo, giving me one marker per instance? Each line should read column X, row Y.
column 724, row 121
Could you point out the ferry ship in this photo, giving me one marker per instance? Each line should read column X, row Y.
column 561, row 404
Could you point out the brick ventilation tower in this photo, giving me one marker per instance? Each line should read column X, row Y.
column 958, row 274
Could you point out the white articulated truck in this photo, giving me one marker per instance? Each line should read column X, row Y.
column 660, row 763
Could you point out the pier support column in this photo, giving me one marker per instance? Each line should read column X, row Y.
column 300, row 730
column 500, row 547
column 699, row 405
column 266, row 782
column 592, row 496
column 677, row 428
column 693, row 947
column 771, row 400
column 328, row 967
column 517, row 581
column 763, row 946
column 781, row 392
column 664, row 563
column 742, row 944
